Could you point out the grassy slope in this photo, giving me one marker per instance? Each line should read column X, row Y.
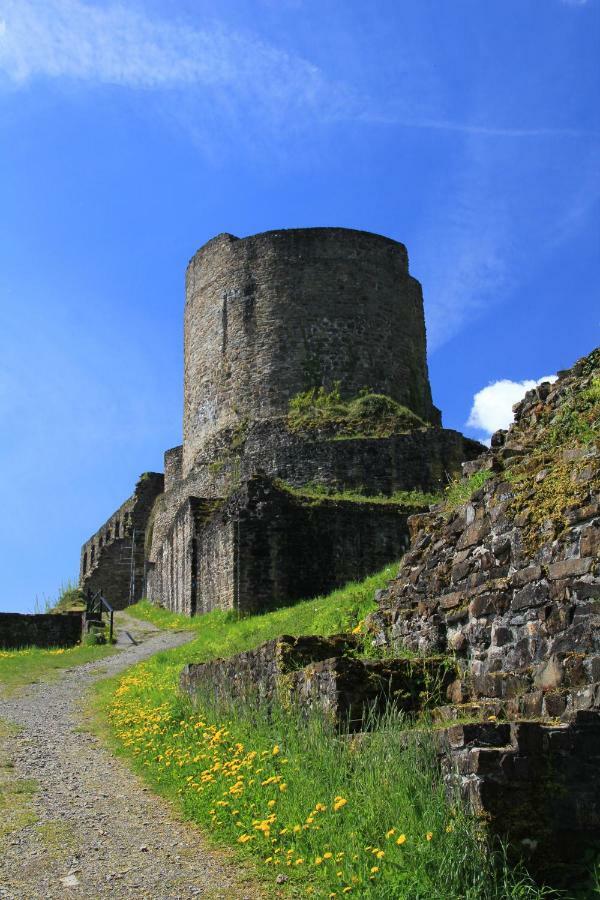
column 269, row 785
column 223, row 634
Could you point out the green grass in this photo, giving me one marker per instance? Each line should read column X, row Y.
column 32, row 664
column 16, row 794
column 223, row 633
column 213, row 763
column 460, row 490
column 70, row 598
column 366, row 816
column 410, row 500
column 367, row 415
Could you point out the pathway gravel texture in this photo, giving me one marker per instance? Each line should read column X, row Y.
column 100, row 831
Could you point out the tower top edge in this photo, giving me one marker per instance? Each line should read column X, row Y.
column 295, row 234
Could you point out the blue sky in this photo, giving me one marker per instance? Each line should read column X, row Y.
column 131, row 133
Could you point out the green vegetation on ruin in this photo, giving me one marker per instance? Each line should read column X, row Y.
column 369, row 415
column 410, row 500
column 460, row 490
column 70, row 599
column 365, row 816
column 551, row 479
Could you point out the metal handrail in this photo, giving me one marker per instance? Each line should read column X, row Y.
column 96, row 604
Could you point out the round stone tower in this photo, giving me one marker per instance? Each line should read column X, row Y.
column 274, row 314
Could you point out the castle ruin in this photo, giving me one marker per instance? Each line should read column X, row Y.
column 284, row 332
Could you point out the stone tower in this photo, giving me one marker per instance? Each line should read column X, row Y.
column 271, row 315
column 268, row 318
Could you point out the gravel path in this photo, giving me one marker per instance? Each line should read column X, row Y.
column 100, row 831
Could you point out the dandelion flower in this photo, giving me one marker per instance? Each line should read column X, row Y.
column 374, row 869
column 338, row 803
column 429, row 835
column 401, row 840
column 389, row 833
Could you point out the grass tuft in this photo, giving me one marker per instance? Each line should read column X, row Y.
column 367, row 415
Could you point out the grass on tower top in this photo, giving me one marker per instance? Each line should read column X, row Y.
column 366, row 415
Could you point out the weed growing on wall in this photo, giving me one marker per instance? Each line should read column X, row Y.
column 460, row 490
column 367, row 415
column 411, row 500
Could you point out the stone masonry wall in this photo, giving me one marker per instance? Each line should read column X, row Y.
column 510, row 580
column 113, row 559
column 264, row 547
column 43, row 630
column 419, row 460
column 271, row 315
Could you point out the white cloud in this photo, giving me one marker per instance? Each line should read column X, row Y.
column 493, row 405
column 119, row 45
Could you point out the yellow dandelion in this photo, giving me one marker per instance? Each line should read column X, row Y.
column 401, row 840
column 389, row 833
column 374, row 869
column 338, row 803
column 275, row 750
column 429, row 835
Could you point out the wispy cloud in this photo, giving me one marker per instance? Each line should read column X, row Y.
column 120, row 45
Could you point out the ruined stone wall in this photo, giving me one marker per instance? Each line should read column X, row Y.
column 419, row 460
column 290, row 549
column 43, row 630
column 509, row 581
column 113, row 559
column 263, row 548
column 271, row 315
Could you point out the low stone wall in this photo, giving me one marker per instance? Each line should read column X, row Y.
column 44, row 630
column 255, row 673
column 536, row 784
column 316, row 673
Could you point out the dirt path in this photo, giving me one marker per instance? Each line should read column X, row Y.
column 100, row 831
